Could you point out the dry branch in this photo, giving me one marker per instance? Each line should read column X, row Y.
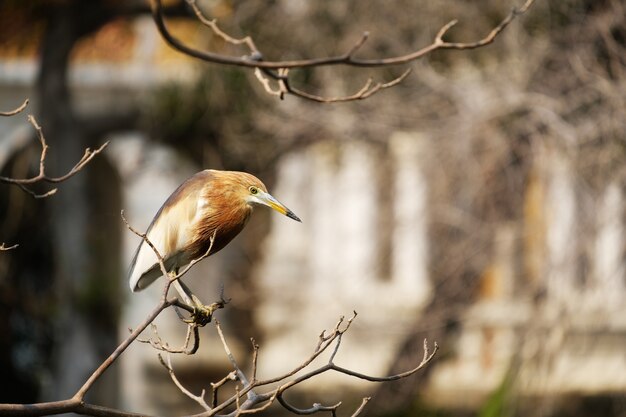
column 16, row 111
column 4, row 247
column 197, row 398
column 24, row 183
column 247, row 400
column 42, row 177
column 279, row 70
column 188, row 348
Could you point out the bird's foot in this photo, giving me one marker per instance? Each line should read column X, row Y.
column 202, row 314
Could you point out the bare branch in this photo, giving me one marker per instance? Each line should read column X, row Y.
column 212, row 24
column 264, row 70
column 195, row 261
column 316, row 408
column 215, row 386
column 3, row 246
column 255, row 358
column 240, row 375
column 197, row 398
column 256, row 402
column 42, row 177
column 361, row 407
column 16, row 111
column 358, row 45
column 365, row 92
column 158, row 343
column 144, row 237
column 344, row 59
column 425, row 361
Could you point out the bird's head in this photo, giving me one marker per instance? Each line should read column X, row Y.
column 252, row 191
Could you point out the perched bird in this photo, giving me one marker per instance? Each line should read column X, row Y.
column 210, row 205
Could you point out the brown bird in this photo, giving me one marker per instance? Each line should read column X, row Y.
column 210, row 204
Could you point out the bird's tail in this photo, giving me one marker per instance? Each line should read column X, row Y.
column 144, row 280
column 139, row 280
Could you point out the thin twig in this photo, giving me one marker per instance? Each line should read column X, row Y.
column 41, row 176
column 186, row 348
column 212, row 24
column 195, row 261
column 316, row 408
column 3, row 246
column 197, row 398
column 255, row 358
column 365, row 92
column 361, row 407
column 215, row 386
column 16, row 111
column 240, row 375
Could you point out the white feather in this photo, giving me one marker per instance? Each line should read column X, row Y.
column 166, row 230
column 145, row 258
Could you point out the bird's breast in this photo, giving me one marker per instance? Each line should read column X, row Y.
column 219, row 225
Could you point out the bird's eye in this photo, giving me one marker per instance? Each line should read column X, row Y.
column 253, row 190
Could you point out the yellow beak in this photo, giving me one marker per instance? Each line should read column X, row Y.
column 270, row 201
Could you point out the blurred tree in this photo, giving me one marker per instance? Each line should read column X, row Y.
column 82, row 317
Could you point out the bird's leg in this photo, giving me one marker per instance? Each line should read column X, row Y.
column 202, row 314
column 185, row 293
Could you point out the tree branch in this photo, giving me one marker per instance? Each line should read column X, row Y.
column 197, row 398
column 265, row 70
column 3, row 246
column 255, row 402
column 42, row 177
column 16, row 111
column 186, row 348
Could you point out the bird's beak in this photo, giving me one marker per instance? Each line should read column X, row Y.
column 268, row 200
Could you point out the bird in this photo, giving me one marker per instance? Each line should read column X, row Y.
column 202, row 215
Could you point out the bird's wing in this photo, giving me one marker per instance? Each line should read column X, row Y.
column 170, row 232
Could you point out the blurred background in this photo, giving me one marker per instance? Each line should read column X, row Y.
column 479, row 204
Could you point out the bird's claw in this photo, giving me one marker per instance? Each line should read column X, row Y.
column 202, row 314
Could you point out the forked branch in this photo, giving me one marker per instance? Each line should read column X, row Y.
column 248, row 398
column 4, row 247
column 278, row 71
column 25, row 183
column 42, row 177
